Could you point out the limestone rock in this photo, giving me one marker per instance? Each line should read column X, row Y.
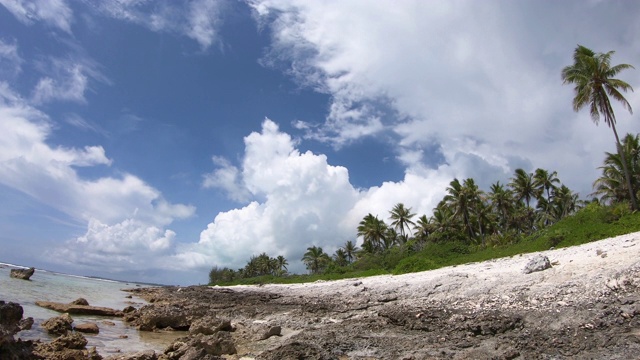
column 79, row 309
column 537, row 263
column 209, row 325
column 89, row 328
column 80, row 301
column 142, row 355
column 23, row 274
column 201, row 346
column 59, row 325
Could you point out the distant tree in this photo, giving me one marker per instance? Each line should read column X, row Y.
column 401, row 218
column 281, row 265
column 340, row 257
column 373, row 232
column 523, row 186
column 545, row 181
column 611, row 186
column 315, row 259
column 594, row 80
column 350, row 250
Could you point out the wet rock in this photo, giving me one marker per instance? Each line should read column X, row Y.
column 68, row 347
column 59, row 325
column 23, row 274
column 80, row 301
column 537, row 263
column 79, row 309
column 10, row 316
column 26, row 324
column 89, row 328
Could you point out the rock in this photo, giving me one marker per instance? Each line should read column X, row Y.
column 209, row 325
column 59, row 325
column 68, row 347
column 10, row 316
column 80, row 301
column 128, row 309
column 79, row 309
column 23, row 274
column 153, row 317
column 266, row 332
column 537, row 263
column 296, row 350
column 201, row 346
column 26, row 324
column 89, row 328
column 142, row 355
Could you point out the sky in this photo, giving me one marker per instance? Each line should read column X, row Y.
column 151, row 140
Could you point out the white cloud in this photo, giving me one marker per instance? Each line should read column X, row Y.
column 199, row 20
column 66, row 80
column 126, row 217
column 228, row 178
column 481, row 80
column 10, row 60
column 53, row 12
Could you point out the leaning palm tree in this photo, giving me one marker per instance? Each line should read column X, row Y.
column 373, row 232
column 281, row 265
column 593, row 77
column 401, row 218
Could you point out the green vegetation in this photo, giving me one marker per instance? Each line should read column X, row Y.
column 533, row 212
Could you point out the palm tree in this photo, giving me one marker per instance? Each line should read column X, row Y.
column 522, row 185
column 611, row 186
column 594, row 81
column 373, row 232
column 458, row 199
column 422, row 228
column 501, row 202
column 401, row 217
column 544, row 181
column 315, row 259
column 340, row 257
column 350, row 250
column 282, row 265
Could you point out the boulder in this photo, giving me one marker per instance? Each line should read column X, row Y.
column 59, row 325
column 79, row 309
column 26, row 324
column 23, row 274
column 10, row 316
column 201, row 346
column 88, row 328
column 264, row 332
column 80, row 301
column 537, row 263
column 71, row 346
column 209, row 325
column 154, row 317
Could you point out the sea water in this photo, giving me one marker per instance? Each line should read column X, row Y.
column 115, row 336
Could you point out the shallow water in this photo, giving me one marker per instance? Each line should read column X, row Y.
column 115, row 336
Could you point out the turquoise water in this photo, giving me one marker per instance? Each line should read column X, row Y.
column 114, row 336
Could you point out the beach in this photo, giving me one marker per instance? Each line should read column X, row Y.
column 586, row 305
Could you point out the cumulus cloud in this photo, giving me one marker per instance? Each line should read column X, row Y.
column 467, row 78
column 56, row 13
column 199, row 20
column 125, row 216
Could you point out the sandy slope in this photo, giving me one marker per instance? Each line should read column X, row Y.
column 593, row 268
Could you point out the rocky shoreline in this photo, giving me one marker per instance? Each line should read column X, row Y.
column 587, row 305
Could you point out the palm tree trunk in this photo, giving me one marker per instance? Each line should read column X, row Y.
column 625, row 168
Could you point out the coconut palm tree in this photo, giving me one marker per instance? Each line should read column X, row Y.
column 593, row 77
column 459, row 200
column 544, row 181
column 611, row 186
column 522, row 186
column 373, row 232
column 401, row 218
column 501, row 203
column 340, row 257
column 282, row 265
column 422, row 228
column 315, row 259
column 350, row 250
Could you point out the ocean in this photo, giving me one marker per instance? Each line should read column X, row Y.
column 114, row 337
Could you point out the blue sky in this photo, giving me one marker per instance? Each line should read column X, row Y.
column 151, row 140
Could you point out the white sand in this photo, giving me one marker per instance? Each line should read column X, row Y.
column 579, row 273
